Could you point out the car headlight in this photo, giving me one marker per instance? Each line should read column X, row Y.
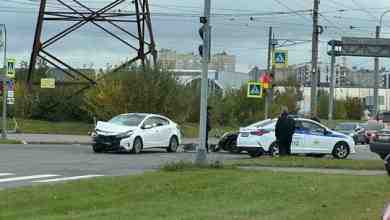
column 125, row 135
column 94, row 134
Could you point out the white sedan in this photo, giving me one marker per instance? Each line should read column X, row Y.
column 134, row 132
column 310, row 137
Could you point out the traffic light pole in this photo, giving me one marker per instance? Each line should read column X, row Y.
column 376, row 76
column 332, row 82
column 268, row 96
column 201, row 154
column 4, row 119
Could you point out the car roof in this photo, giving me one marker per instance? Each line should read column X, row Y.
column 147, row 115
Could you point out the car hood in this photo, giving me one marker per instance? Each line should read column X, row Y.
column 340, row 134
column 107, row 128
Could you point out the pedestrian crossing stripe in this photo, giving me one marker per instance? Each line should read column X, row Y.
column 6, row 178
column 254, row 90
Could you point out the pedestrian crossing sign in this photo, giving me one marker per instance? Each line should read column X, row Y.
column 11, row 68
column 254, row 90
column 280, row 58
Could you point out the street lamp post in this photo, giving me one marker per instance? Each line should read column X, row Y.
column 4, row 121
column 376, row 64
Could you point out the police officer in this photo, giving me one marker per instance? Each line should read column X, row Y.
column 284, row 131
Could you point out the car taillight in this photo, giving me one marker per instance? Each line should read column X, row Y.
column 259, row 132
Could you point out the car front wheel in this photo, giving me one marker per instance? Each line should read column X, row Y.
column 137, row 146
column 97, row 148
column 341, row 151
column 173, row 145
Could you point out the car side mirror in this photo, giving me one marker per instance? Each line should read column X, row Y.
column 326, row 132
column 147, row 126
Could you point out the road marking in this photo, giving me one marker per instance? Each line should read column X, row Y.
column 67, row 178
column 27, row 178
column 6, row 174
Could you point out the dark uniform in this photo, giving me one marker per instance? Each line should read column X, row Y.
column 284, row 131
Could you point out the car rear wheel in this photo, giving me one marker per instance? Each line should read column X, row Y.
column 274, row 149
column 137, row 146
column 173, row 145
column 340, row 151
column 98, row 148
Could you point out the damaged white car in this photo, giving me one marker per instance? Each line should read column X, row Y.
column 134, row 132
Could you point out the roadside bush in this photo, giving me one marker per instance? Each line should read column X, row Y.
column 354, row 108
column 151, row 91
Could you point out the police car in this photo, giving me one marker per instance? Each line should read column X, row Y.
column 310, row 137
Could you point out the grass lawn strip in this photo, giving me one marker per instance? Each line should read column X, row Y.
column 8, row 141
column 308, row 162
column 203, row 194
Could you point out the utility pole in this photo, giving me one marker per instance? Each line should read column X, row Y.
column 376, row 75
column 4, row 118
column 201, row 154
column 268, row 98
column 314, row 59
column 332, row 81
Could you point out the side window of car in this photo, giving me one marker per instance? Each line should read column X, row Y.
column 162, row 122
column 149, row 122
column 314, row 128
column 300, row 126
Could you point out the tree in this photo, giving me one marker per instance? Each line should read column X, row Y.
column 354, row 108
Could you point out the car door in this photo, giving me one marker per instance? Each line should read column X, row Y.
column 316, row 139
column 298, row 140
column 164, row 132
column 149, row 132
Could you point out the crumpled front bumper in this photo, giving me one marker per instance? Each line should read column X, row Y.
column 111, row 143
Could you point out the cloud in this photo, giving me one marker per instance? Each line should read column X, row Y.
column 235, row 34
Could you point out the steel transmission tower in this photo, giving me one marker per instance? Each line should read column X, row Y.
column 79, row 14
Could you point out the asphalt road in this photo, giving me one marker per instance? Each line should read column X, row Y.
column 22, row 165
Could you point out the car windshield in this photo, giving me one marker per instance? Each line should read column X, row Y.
column 127, row 120
column 346, row 126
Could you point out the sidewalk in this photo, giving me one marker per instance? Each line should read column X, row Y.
column 76, row 139
column 317, row 170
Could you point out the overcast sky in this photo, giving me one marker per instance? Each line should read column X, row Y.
column 233, row 31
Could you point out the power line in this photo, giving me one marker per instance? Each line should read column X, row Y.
column 288, row 8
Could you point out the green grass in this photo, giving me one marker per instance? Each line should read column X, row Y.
column 8, row 141
column 308, row 162
column 46, row 127
column 203, row 194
